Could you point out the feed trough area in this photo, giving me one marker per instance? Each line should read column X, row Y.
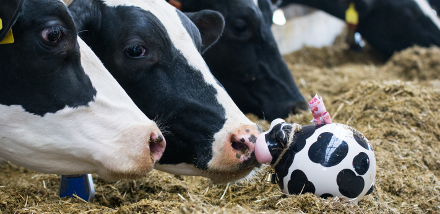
column 395, row 103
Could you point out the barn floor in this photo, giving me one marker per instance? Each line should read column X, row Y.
column 395, row 104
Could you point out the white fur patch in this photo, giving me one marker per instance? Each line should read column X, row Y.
column 428, row 11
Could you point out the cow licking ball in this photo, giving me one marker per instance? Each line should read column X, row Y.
column 326, row 160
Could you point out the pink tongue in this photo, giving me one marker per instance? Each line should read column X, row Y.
column 262, row 151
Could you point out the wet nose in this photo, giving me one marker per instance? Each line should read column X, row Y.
column 243, row 143
column 157, row 145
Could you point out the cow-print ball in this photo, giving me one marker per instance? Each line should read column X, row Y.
column 337, row 160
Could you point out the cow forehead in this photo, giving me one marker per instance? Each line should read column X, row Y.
column 239, row 8
column 427, row 10
column 42, row 11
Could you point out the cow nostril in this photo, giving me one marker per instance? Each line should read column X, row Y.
column 239, row 145
column 158, row 138
column 157, row 146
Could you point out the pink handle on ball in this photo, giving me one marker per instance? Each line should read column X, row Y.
column 320, row 115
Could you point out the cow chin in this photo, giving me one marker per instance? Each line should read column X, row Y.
column 220, row 175
column 135, row 168
column 226, row 177
column 241, row 171
column 135, row 173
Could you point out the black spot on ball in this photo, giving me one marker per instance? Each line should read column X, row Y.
column 299, row 141
column 370, row 190
column 297, row 145
column 361, row 163
column 349, row 184
column 299, row 184
column 326, row 195
column 361, row 140
column 328, row 150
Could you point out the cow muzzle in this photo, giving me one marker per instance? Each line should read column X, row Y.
column 157, row 145
column 234, row 155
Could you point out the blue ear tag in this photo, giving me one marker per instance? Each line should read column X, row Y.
column 80, row 185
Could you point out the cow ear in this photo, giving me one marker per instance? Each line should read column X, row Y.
column 85, row 14
column 210, row 24
column 9, row 12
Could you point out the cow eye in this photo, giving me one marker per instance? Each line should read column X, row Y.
column 53, row 34
column 135, row 51
column 240, row 26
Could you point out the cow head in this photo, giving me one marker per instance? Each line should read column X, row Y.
column 246, row 59
column 61, row 110
column 395, row 25
column 387, row 25
column 153, row 50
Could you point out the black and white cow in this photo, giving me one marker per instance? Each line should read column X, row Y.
column 246, row 59
column 60, row 109
column 387, row 25
column 153, row 51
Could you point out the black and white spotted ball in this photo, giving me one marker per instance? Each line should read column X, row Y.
column 326, row 160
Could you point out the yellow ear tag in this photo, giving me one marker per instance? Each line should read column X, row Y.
column 351, row 15
column 9, row 39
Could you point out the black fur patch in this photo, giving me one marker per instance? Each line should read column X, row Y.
column 246, row 59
